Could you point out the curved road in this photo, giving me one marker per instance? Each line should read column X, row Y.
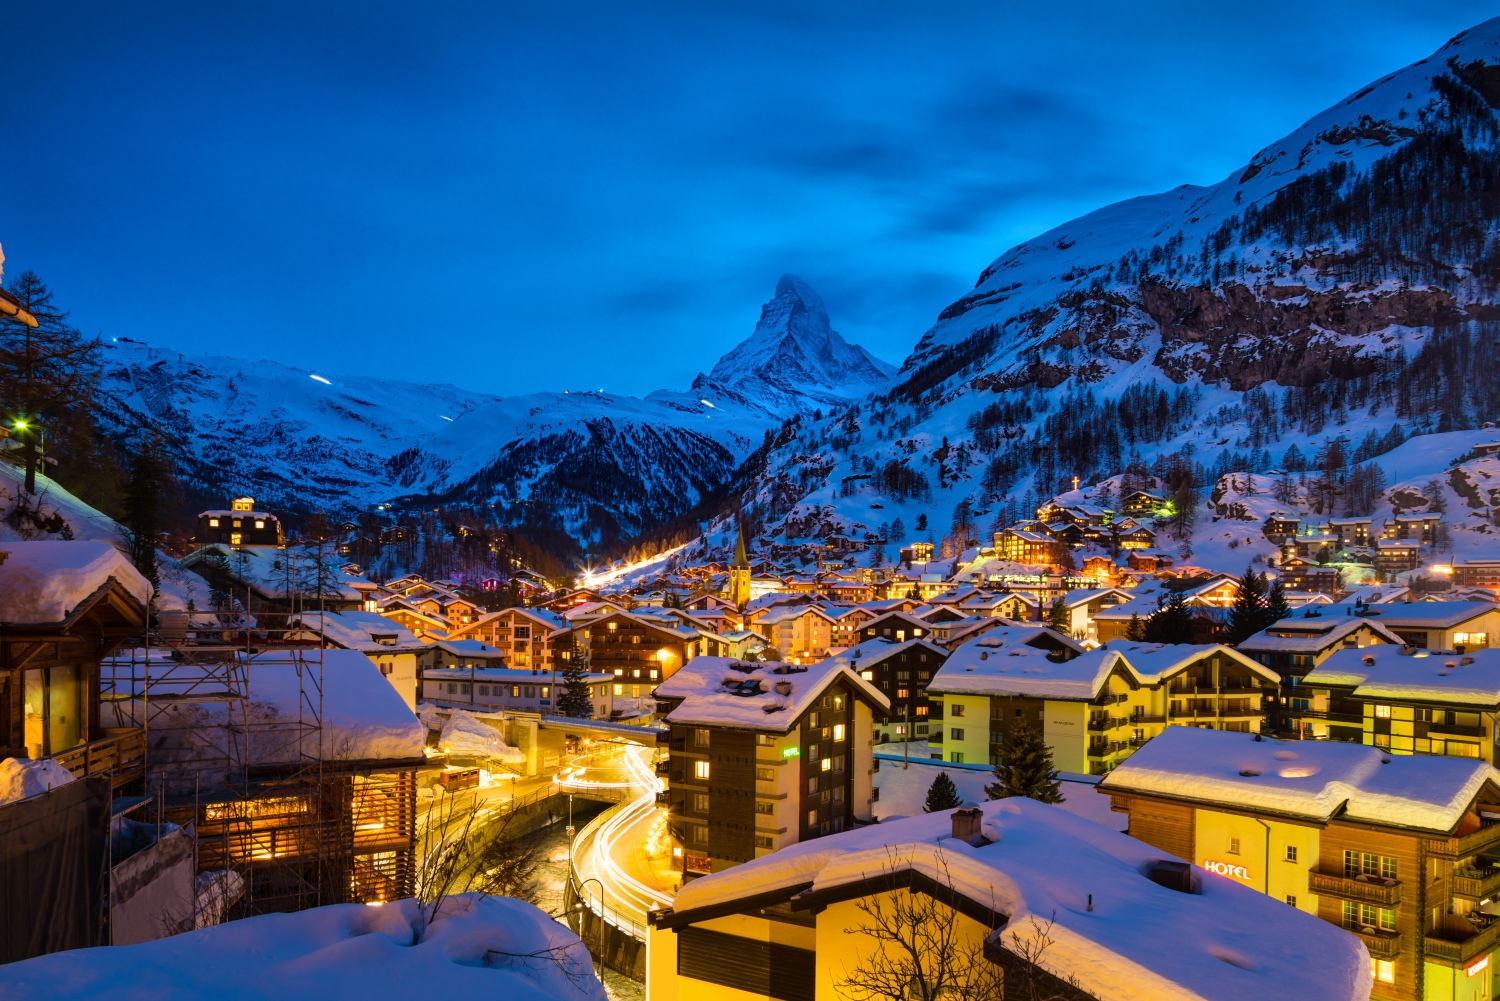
column 606, row 849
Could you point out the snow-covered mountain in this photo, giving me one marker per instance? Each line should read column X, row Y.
column 1342, row 281
column 795, row 361
column 592, row 467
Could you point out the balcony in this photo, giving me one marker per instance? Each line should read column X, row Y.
column 1331, row 717
column 1459, row 940
column 1143, row 719
column 1369, row 889
column 121, row 756
column 1486, row 837
column 1381, row 944
column 1477, row 883
column 1454, row 730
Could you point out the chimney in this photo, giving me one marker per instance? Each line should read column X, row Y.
column 966, row 823
column 783, row 688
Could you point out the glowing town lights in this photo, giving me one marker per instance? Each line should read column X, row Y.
column 664, row 655
column 319, row 378
column 1441, row 568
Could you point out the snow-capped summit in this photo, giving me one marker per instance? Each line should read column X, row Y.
column 795, row 361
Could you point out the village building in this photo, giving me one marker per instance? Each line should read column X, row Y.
column 241, row 525
column 766, row 755
column 901, row 671
column 394, row 649
column 1403, row 700
column 801, row 634
column 532, row 638
column 1125, row 922
column 1353, row 533
column 1395, row 556
column 1398, row 852
column 1031, row 548
column 501, row 689
column 1421, row 528
column 1477, row 573
column 1294, row 646
column 1279, row 527
column 1142, row 503
column 1093, row 710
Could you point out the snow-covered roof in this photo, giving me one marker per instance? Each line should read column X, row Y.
column 1001, row 663
column 1300, row 634
column 362, row 631
column 466, row 648
column 1139, row 941
column 1314, row 780
column 519, row 675
column 335, row 951
column 41, row 583
column 1383, row 671
column 1421, row 614
column 768, row 696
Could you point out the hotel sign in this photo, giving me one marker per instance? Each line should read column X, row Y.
column 1478, row 966
column 1231, row 869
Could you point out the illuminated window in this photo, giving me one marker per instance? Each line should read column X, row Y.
column 259, row 523
column 213, row 523
column 612, row 627
column 545, row 690
column 812, row 817
column 515, row 691
column 902, row 693
column 619, row 689
column 838, row 731
column 1471, row 639
column 826, row 765
column 1384, row 970
column 765, row 774
column 867, row 675
column 700, row 769
column 636, row 673
column 700, row 802
column 234, row 538
column 700, row 738
column 1382, row 712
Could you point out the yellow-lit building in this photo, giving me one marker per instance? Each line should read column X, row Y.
column 1013, row 898
column 1093, row 710
column 1401, row 852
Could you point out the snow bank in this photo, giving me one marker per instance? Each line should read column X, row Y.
column 42, row 582
column 903, row 791
column 1139, row 942
column 475, row 948
column 466, row 734
column 1304, row 778
column 22, row 779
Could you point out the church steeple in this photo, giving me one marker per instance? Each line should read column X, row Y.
column 739, row 570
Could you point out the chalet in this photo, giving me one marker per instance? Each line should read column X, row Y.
column 1083, row 605
column 1294, row 646
column 1149, row 560
column 1101, row 568
column 1141, row 503
column 1094, row 710
column 421, row 625
column 564, row 602
column 781, row 927
column 393, row 648
column 1280, row 527
column 1135, row 536
column 916, row 552
column 64, row 608
column 640, row 652
column 1030, row 548
column 1300, row 575
column 1392, row 698
column 766, row 755
column 800, row 634
column 1435, row 625
column 1420, row 528
column 894, row 627
column 1394, row 556
column 532, row 638
column 241, row 525
column 1352, row 532
column 1316, row 826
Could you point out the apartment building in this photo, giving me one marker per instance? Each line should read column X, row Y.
column 766, row 755
column 1403, row 853
column 496, row 689
column 530, row 637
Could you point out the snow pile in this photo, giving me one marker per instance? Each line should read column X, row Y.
column 43, row 582
column 22, row 779
column 1311, row 779
column 903, row 791
column 718, row 691
column 1226, row 942
column 465, row 734
column 477, row 947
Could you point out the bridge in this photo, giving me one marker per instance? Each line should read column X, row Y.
column 648, row 735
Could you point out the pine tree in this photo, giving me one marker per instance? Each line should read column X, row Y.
column 1248, row 614
column 1172, row 622
column 1057, row 616
column 1025, row 768
column 574, row 698
column 942, row 795
column 1276, row 606
column 44, row 370
column 1136, row 630
column 142, row 516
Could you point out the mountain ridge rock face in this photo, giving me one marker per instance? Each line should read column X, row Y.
column 795, row 361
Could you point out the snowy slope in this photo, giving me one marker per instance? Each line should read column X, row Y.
column 1302, row 299
column 795, row 361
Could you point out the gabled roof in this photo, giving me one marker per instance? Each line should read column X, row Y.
column 362, row 631
column 1300, row 634
column 1422, row 614
column 767, row 697
column 1313, row 780
column 48, row 582
column 1384, row 672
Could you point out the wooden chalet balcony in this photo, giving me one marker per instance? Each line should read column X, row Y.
column 121, row 756
column 1370, row 889
column 1458, row 940
column 1381, row 944
column 1476, row 883
column 1486, row 837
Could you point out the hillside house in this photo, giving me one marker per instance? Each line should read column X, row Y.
column 241, row 525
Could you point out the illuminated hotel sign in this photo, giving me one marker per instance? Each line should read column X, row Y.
column 1478, row 966
column 791, row 752
column 1231, row 869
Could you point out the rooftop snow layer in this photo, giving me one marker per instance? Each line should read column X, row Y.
column 22, row 779
column 1140, row 941
column 1299, row 634
column 1419, row 614
column 43, row 582
column 337, row 951
column 718, row 691
column 1304, row 778
column 358, row 631
column 1385, row 672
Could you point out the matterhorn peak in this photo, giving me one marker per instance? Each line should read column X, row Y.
column 795, row 361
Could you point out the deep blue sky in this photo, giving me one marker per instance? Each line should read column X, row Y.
column 547, row 196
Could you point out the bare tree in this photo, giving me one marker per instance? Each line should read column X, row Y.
column 922, row 952
column 1030, row 981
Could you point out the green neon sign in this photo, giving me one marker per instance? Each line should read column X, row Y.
column 792, row 752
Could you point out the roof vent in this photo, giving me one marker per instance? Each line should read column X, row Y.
column 1368, row 660
column 783, row 688
column 1249, row 773
column 984, row 655
column 1173, row 875
column 1466, row 661
column 1407, row 650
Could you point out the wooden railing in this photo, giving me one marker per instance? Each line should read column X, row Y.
column 121, row 756
column 1371, row 891
column 1458, row 941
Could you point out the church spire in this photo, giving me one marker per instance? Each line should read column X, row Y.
column 740, row 559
